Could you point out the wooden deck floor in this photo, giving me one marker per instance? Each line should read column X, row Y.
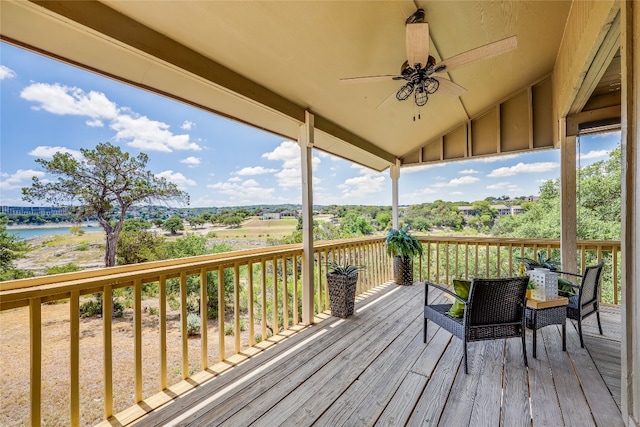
column 373, row 369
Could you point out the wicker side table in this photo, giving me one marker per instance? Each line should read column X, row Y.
column 544, row 313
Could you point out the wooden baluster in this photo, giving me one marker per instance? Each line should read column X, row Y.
column 35, row 332
column 162, row 289
column 137, row 336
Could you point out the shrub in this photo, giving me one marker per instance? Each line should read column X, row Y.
column 66, row 268
column 193, row 324
column 174, row 304
column 93, row 307
column 228, row 330
column 154, row 311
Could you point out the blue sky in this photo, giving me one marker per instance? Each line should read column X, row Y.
column 47, row 106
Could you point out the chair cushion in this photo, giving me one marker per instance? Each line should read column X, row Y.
column 573, row 301
column 461, row 288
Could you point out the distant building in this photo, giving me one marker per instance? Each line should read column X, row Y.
column 34, row 210
column 467, row 211
column 503, row 210
column 531, row 199
column 516, row 209
column 270, row 215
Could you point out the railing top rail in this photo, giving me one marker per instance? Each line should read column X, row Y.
column 17, row 290
column 518, row 241
column 154, row 268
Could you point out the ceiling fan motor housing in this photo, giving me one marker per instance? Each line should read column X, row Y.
column 415, row 17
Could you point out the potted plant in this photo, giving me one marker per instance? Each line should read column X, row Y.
column 402, row 246
column 341, row 281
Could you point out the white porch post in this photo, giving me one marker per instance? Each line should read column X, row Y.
column 394, row 171
column 568, row 227
column 630, row 239
column 305, row 141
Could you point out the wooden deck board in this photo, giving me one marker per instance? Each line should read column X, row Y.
column 516, row 411
column 374, row 369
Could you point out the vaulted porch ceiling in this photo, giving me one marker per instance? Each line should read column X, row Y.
column 265, row 63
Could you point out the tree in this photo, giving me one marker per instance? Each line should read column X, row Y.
column 353, row 225
column 106, row 182
column 135, row 246
column 11, row 249
column 233, row 221
column 173, row 225
column 135, row 224
column 195, row 221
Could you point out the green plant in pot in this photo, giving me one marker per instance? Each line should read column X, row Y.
column 341, row 281
column 403, row 247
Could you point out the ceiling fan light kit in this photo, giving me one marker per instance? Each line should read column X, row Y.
column 419, row 70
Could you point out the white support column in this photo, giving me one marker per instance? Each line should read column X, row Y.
column 394, row 171
column 305, row 141
column 630, row 239
column 568, row 214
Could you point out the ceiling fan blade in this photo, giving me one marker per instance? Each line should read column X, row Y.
column 369, row 79
column 388, row 99
column 417, row 43
column 483, row 52
column 448, row 87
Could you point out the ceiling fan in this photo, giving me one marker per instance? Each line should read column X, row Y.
column 420, row 70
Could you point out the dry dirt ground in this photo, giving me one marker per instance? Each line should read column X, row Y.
column 14, row 362
column 87, row 251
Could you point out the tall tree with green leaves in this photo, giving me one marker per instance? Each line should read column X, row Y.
column 11, row 249
column 105, row 183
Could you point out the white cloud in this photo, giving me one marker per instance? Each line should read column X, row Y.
column 243, row 192
column 235, row 179
column 468, row 171
column 595, row 154
column 191, row 161
column 47, row 152
column 22, row 177
column 187, row 125
column 458, row 181
column 177, row 178
column 359, row 186
column 151, row 135
column 418, row 196
column 494, row 159
column 505, row 185
column 524, row 168
column 63, row 100
column 288, row 153
column 6, row 73
column 289, row 178
column 96, row 123
column 131, row 128
column 257, row 170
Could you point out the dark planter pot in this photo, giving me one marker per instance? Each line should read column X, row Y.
column 403, row 270
column 342, row 294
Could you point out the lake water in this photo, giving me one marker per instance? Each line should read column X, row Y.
column 30, row 233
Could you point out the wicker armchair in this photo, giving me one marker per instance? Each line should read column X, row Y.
column 586, row 302
column 495, row 309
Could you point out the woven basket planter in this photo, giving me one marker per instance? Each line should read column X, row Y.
column 342, row 294
column 403, row 270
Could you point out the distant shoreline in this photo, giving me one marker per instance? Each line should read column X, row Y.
column 51, row 225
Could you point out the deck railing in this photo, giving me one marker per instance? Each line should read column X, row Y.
column 246, row 301
column 446, row 258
